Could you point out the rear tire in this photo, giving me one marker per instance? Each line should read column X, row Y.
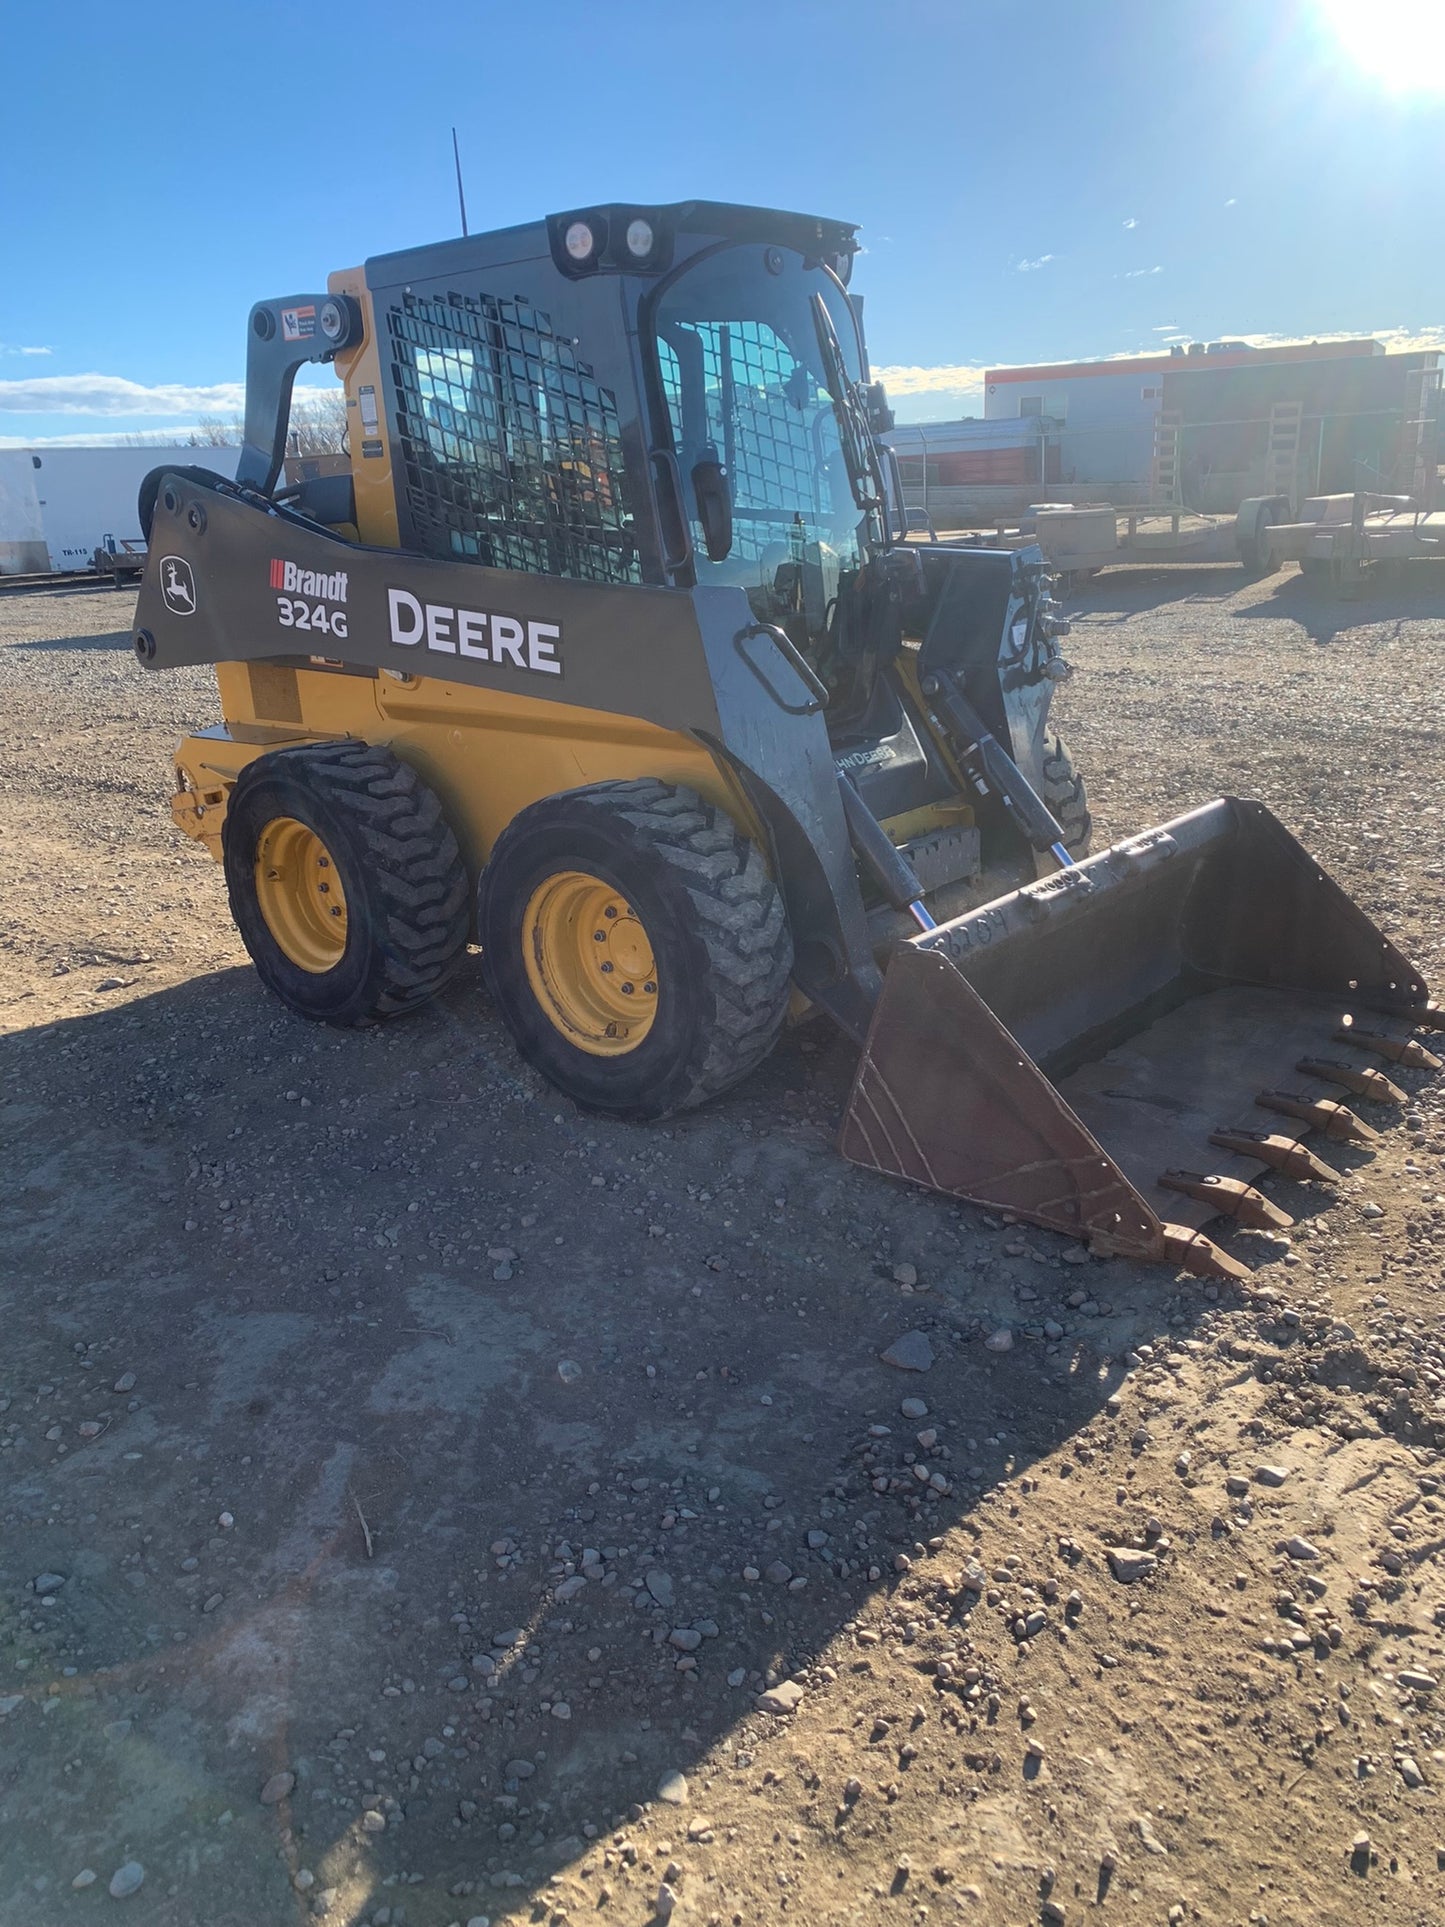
column 1066, row 796
column 653, row 875
column 352, row 820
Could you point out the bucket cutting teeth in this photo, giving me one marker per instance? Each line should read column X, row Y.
column 1430, row 1016
column 1352, row 1077
column 1231, row 1197
column 1323, row 1113
column 1399, row 1050
column 1193, row 1252
column 1279, row 1153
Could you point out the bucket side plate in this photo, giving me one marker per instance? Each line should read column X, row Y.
column 943, row 1096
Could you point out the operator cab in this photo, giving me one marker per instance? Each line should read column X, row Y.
column 762, row 378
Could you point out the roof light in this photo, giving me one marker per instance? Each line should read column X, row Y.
column 580, row 241
column 640, row 239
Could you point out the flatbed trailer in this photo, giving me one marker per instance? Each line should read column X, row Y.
column 123, row 561
column 1339, row 536
column 1078, row 540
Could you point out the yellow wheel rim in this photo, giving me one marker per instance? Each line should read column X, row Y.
column 300, row 894
column 590, row 964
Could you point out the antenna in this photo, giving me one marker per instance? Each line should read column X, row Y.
column 461, row 197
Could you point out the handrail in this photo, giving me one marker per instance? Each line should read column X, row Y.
column 789, row 651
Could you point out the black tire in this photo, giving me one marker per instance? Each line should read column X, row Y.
column 713, row 916
column 405, row 885
column 1255, row 555
column 1065, row 795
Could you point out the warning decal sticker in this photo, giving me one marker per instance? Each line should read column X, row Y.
column 298, row 324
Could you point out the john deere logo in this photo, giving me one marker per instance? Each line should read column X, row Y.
column 178, row 585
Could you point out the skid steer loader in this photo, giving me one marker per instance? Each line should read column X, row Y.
column 609, row 653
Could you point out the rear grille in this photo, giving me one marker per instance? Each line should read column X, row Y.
column 275, row 694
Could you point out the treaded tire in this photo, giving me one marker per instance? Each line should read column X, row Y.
column 1065, row 795
column 713, row 915
column 398, row 862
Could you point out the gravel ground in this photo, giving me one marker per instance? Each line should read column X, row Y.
column 422, row 1504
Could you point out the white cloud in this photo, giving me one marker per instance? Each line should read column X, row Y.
column 13, row 348
column 1028, row 267
column 113, row 395
column 169, row 437
column 951, row 378
column 1135, row 273
column 1233, row 201
column 1131, row 222
column 1395, row 341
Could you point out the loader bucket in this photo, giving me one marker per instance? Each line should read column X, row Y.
column 1119, row 1050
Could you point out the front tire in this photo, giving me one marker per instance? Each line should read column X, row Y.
column 345, row 881
column 635, row 946
column 1065, row 795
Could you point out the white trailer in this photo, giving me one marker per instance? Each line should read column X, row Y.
column 59, row 505
column 22, row 534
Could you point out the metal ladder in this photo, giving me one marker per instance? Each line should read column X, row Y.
column 1282, row 450
column 1420, row 436
column 1166, row 480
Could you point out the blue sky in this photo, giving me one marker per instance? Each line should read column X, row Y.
column 1034, row 181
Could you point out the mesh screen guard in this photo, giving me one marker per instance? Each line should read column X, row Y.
column 510, row 450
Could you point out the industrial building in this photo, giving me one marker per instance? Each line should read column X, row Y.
column 1201, row 427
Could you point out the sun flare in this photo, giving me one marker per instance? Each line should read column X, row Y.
column 1398, row 43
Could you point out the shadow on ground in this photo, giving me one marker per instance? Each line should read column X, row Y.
column 1393, row 593
column 381, row 1421
column 1396, row 593
column 114, row 639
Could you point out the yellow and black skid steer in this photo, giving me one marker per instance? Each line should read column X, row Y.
column 608, row 651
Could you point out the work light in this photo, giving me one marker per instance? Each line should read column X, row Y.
column 580, row 241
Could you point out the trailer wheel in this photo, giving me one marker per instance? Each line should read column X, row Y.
column 345, row 881
column 1065, row 795
column 635, row 945
column 1255, row 555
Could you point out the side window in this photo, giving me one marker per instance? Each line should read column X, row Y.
column 736, row 388
column 510, row 451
